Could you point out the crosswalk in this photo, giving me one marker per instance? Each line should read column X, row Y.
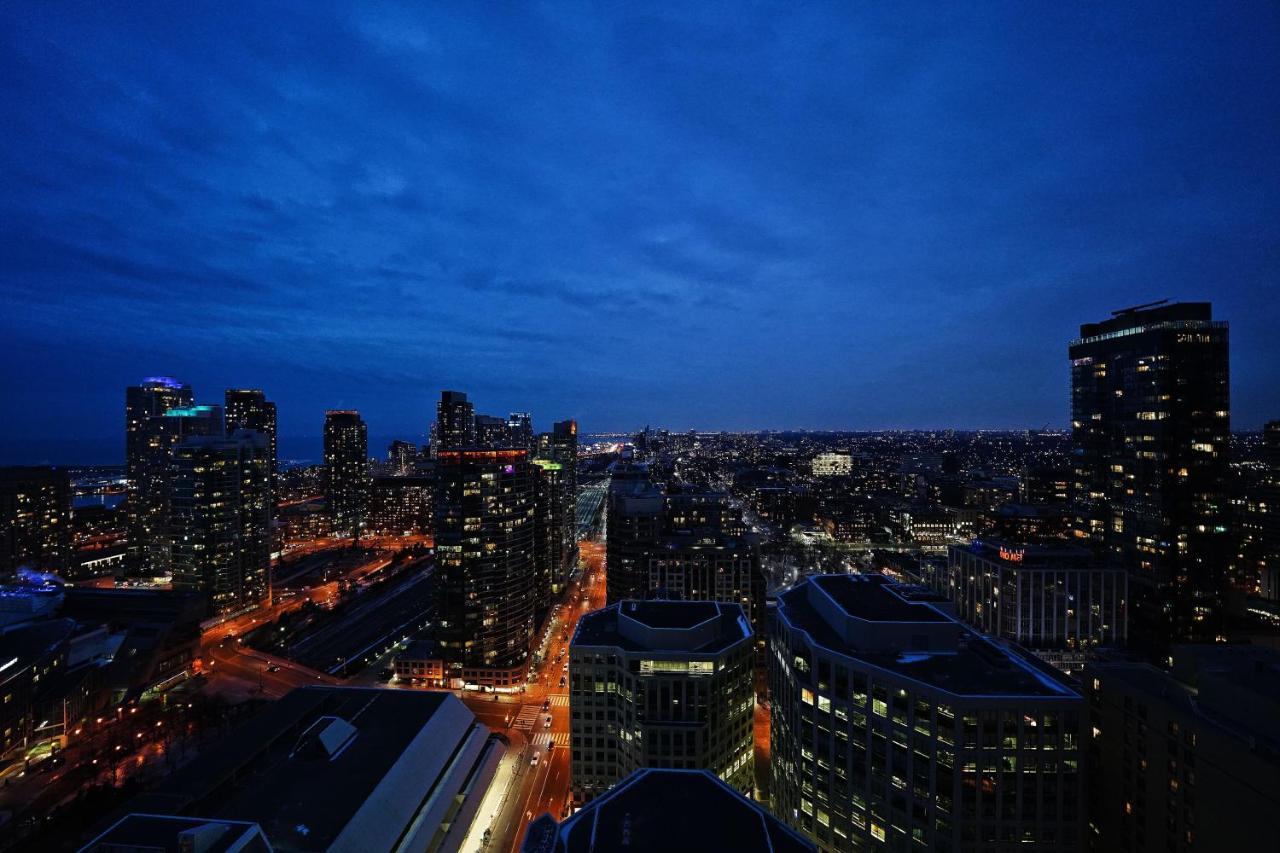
column 560, row 700
column 546, row 738
column 527, row 717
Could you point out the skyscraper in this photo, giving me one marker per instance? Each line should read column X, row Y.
column 249, row 408
column 151, row 483
column 490, row 431
column 151, row 398
column 221, row 518
column 346, row 470
column 661, row 684
column 520, row 429
column 484, row 563
column 894, row 723
column 455, row 421
column 1151, row 428
column 35, row 520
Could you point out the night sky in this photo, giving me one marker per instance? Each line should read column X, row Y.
column 735, row 217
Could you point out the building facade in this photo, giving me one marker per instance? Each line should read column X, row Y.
column 1151, row 427
column 484, row 535
column 35, row 520
column 346, row 471
column 221, row 519
column 1055, row 600
column 249, row 408
column 402, row 504
column 142, row 404
column 895, row 726
column 455, row 421
column 661, row 684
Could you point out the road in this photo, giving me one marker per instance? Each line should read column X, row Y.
column 542, row 787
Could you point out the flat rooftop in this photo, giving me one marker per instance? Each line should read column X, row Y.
column 695, row 627
column 958, row 660
column 274, row 772
column 676, row 811
column 170, row 834
column 872, row 598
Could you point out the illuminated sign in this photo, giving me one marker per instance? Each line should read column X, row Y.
column 1011, row 555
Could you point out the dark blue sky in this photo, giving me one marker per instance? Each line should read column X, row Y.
column 726, row 216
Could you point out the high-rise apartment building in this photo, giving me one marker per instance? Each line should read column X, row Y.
column 634, row 522
column 485, row 507
column 35, row 520
column 142, row 403
column 402, row 458
column 249, row 408
column 1151, row 426
column 895, row 726
column 220, row 518
column 661, row 684
column 346, row 470
column 553, row 532
column 151, row 483
column 455, row 422
column 1055, row 600
column 400, row 505
column 491, row 431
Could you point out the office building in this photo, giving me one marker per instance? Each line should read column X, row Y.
column 1187, row 759
column 402, row 505
column 661, row 684
column 35, row 520
column 484, row 536
column 346, row 471
column 329, row 768
column 150, row 551
column 895, row 724
column 1055, row 600
column 249, row 408
column 455, row 422
column 832, row 465
column 677, row 811
column 142, row 404
column 220, row 519
column 708, row 566
column 1151, row 428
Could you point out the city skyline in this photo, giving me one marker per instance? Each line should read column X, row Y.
column 897, row 229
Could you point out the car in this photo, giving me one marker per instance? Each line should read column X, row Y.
column 273, row 668
column 533, row 762
column 546, row 724
column 562, row 681
column 546, row 703
column 551, row 746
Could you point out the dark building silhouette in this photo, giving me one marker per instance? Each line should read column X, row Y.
column 520, row 429
column 455, row 422
column 490, row 431
column 1270, row 499
column 485, row 577
column 346, row 470
column 249, row 408
column 1186, row 759
column 35, row 520
column 1151, row 429
column 220, row 519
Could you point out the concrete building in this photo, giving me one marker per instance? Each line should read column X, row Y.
column 249, row 408
column 895, row 725
column 145, row 464
column 337, row 769
column 1055, row 600
column 660, row 684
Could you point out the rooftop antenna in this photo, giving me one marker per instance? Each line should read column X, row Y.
column 1135, row 308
